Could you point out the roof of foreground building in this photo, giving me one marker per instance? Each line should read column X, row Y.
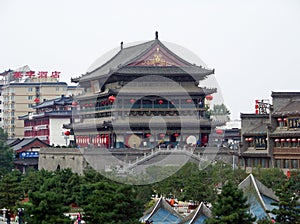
column 259, row 197
column 162, row 213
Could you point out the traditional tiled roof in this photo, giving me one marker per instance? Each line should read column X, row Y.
column 259, row 197
column 61, row 101
column 283, row 132
column 173, row 89
column 260, row 129
column 128, row 55
column 199, row 216
column 26, row 141
column 13, row 141
column 162, row 213
column 293, row 108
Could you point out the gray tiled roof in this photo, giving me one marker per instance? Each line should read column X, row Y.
column 260, row 129
column 128, row 55
column 121, row 58
column 280, row 132
column 24, row 142
column 292, row 108
column 63, row 100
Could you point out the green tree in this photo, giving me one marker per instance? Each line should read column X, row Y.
column 10, row 190
column 47, row 202
column 6, row 154
column 230, row 207
column 287, row 211
column 110, row 202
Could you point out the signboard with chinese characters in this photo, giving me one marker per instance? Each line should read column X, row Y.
column 40, row 74
column 29, row 155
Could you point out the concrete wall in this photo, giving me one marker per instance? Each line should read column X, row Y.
column 52, row 158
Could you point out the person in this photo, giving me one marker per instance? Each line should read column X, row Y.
column 79, row 218
column 8, row 216
column 20, row 215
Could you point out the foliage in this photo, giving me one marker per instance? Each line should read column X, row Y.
column 230, row 207
column 6, row 154
column 47, row 204
column 287, row 211
column 10, row 189
column 109, row 202
column 272, row 177
column 220, row 109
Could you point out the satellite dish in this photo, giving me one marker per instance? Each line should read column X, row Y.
column 191, row 140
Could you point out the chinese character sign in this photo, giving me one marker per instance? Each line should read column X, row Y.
column 55, row 74
column 42, row 74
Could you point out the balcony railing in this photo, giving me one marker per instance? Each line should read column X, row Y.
column 287, row 150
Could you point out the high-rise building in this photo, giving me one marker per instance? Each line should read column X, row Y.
column 22, row 89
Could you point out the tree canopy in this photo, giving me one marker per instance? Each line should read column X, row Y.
column 6, row 154
column 231, row 207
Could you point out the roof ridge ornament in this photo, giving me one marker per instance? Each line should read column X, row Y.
column 121, row 45
column 156, row 35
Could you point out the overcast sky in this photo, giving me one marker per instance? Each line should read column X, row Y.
column 254, row 45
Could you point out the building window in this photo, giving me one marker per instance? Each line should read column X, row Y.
column 260, row 142
column 286, row 163
column 278, row 163
column 57, row 89
column 30, row 97
column 30, row 89
column 294, row 164
column 263, row 163
column 293, row 122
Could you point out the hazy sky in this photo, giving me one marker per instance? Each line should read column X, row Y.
column 254, row 45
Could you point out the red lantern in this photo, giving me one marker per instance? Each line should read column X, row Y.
column 37, row 100
column 246, row 139
column 298, row 139
column 294, row 140
column 282, row 140
column 250, row 139
column 148, row 135
column 162, row 135
column 176, row 135
column 189, row 100
column 219, row 131
column 288, row 140
column 279, row 119
column 111, row 99
column 74, row 104
column 276, row 140
column 86, row 105
column 160, row 102
column 132, row 100
column 209, row 97
column 91, row 104
column 285, row 119
column 67, row 133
